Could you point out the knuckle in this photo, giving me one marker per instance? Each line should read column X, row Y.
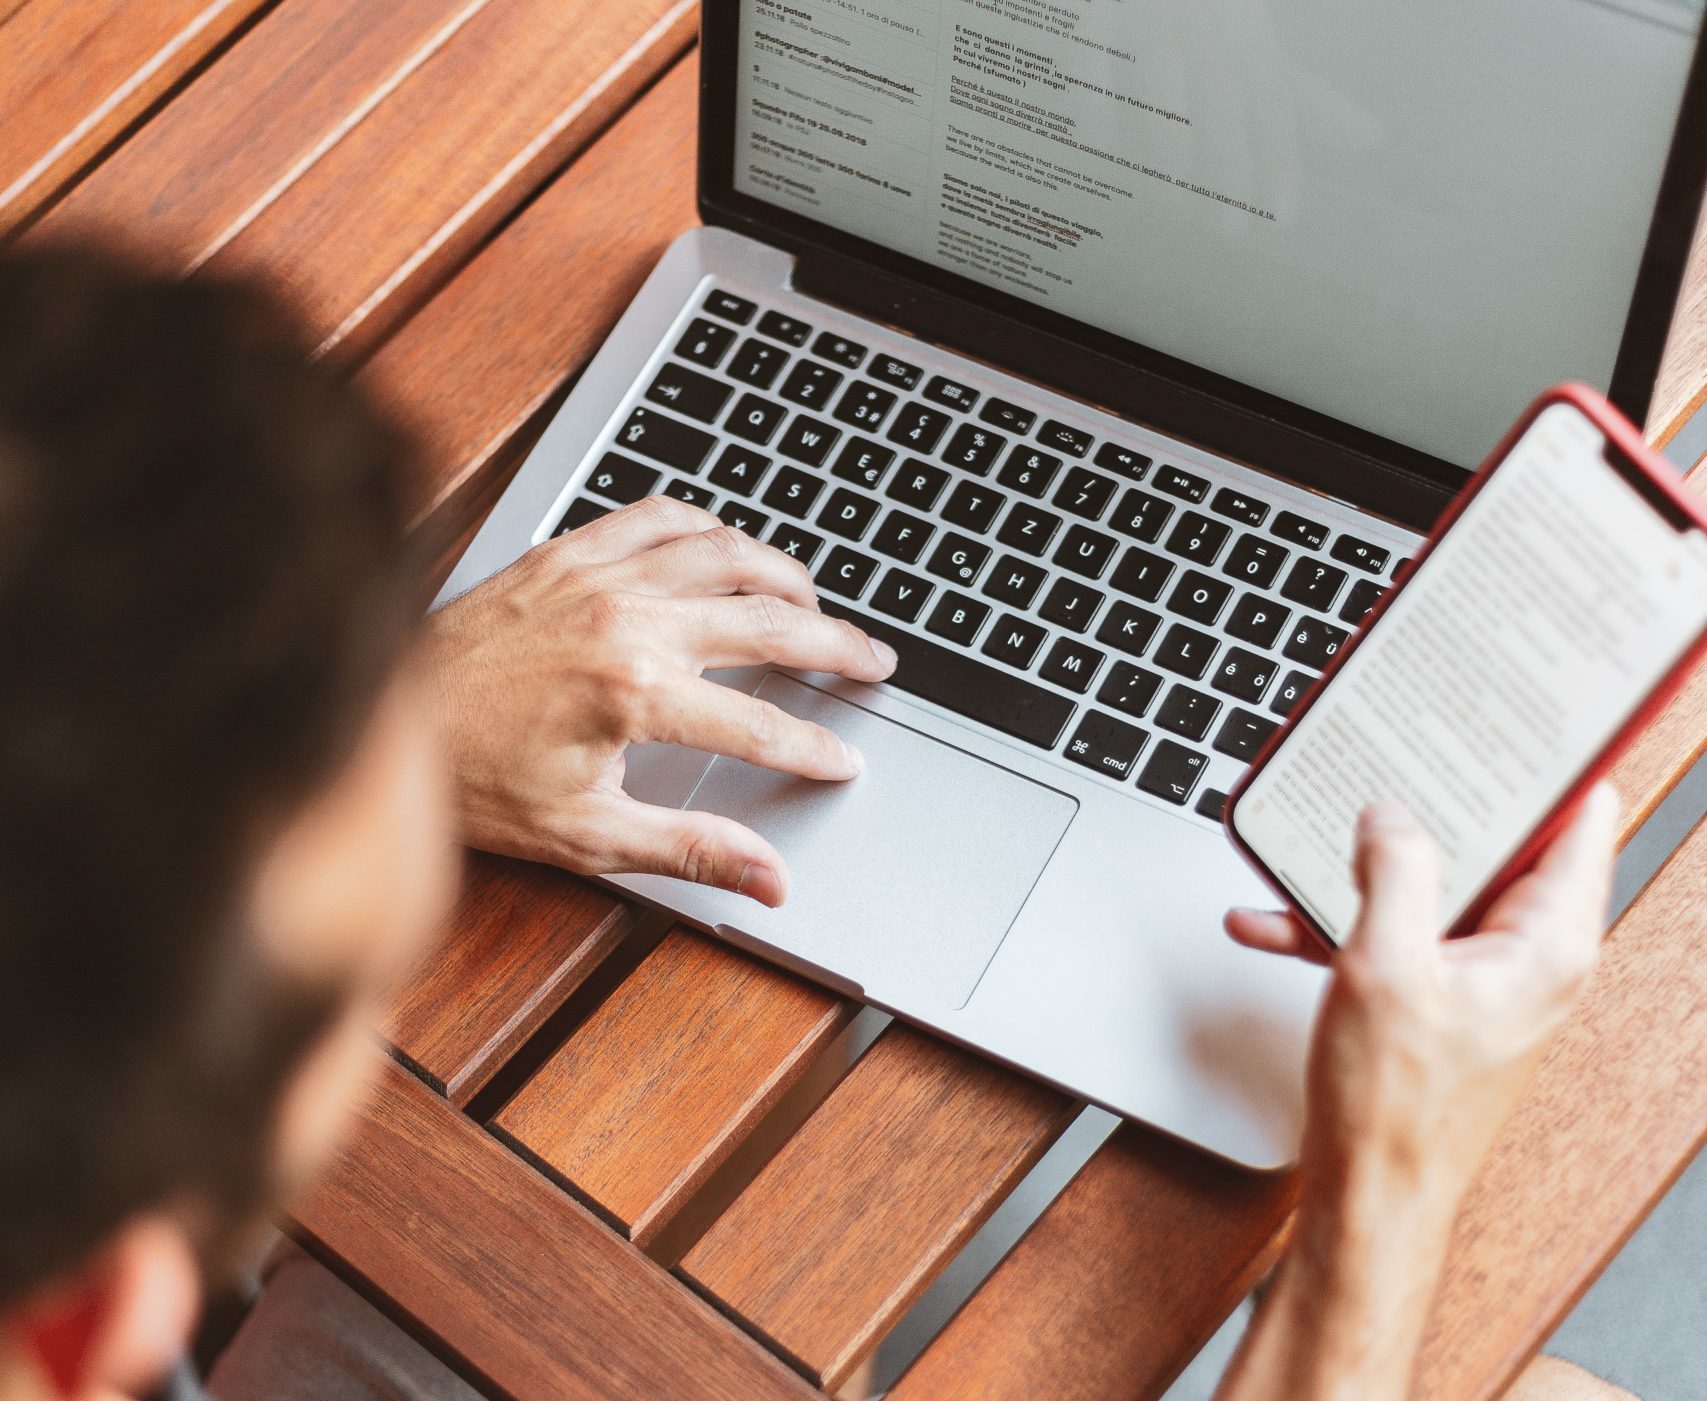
column 609, row 612
column 729, row 547
column 698, row 857
column 656, row 510
column 767, row 726
column 770, row 618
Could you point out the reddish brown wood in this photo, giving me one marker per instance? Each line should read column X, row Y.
column 520, row 1285
column 521, row 940
column 75, row 73
column 664, row 1081
column 853, row 1218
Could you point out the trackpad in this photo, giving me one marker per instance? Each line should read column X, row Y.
column 906, row 879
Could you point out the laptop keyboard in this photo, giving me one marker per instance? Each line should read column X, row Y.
column 1068, row 590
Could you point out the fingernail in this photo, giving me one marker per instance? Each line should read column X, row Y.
column 760, row 883
column 885, row 654
column 856, row 760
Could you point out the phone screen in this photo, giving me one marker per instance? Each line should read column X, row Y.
column 1526, row 639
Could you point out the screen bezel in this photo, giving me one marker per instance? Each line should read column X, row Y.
column 1659, row 485
column 1138, row 381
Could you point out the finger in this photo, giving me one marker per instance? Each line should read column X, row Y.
column 1397, row 867
column 1274, row 931
column 704, row 715
column 636, row 838
column 719, row 561
column 644, row 525
column 760, row 628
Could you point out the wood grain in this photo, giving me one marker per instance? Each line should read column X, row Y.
column 663, row 1081
column 846, row 1226
column 521, row 940
column 521, row 1286
column 1682, row 383
column 75, row 73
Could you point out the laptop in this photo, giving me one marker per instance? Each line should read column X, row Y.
column 1106, row 360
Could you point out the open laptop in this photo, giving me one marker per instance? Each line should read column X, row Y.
column 1105, row 359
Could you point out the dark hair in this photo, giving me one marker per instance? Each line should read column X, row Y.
column 202, row 594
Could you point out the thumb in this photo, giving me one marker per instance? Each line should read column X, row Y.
column 636, row 838
column 1397, row 868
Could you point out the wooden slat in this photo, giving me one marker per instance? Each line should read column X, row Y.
column 664, row 1080
column 1682, row 384
column 524, row 1288
column 75, row 73
column 846, row 1226
column 1116, row 1285
column 521, row 940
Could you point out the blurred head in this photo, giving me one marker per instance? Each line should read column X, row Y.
column 223, row 830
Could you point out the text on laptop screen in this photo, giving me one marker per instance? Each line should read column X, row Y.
column 1412, row 218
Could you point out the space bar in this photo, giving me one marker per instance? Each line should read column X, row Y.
column 956, row 682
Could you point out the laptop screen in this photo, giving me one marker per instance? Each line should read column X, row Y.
column 1409, row 217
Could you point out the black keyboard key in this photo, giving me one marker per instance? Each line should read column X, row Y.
column 1211, row 803
column 958, row 618
column 1290, row 692
column 730, row 307
column 622, row 479
column 1107, row 745
column 1128, row 462
column 966, row 686
column 1028, row 528
column 809, row 441
column 688, row 392
column 974, row 449
column 796, row 543
column 757, row 363
column 1187, row 712
column 901, row 595
column 665, row 439
column 1288, row 525
column 739, row 469
column 1199, row 597
column 1010, row 416
column 1364, row 595
column 1244, row 734
column 784, row 328
column 581, row 512
column 1142, row 574
column 902, row 536
column 1014, row 581
column 1070, row 604
column 1173, row 771
column 1129, row 689
column 918, row 484
column 810, row 384
column 1186, row 650
column 1243, row 675
column 918, row 428
column 865, row 405
column 690, row 492
column 1128, row 629
column 1314, row 643
column 1014, row 640
column 1086, row 551
column 743, row 517
column 886, row 369
column 1313, row 584
column 1401, row 567
column 839, row 350
column 1071, row 665
column 1257, row 620
column 848, row 514
column 1075, row 442
column 1360, row 554
column 863, row 462
column 1255, row 561
column 974, row 506
column 958, row 559
column 1198, row 538
column 1176, row 481
column 846, row 572
column 1085, row 493
column 705, row 342
column 955, row 395
column 794, row 492
column 755, row 419
column 1141, row 516
column 1237, row 506
column 1029, row 469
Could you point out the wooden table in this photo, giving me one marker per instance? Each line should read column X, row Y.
column 611, row 1161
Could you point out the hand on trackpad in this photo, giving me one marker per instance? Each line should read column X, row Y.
column 905, row 878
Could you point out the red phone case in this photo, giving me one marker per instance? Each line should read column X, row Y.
column 1657, row 473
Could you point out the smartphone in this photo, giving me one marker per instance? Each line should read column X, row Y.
column 1559, row 603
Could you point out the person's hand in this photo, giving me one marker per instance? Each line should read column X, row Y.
column 1423, row 1045
column 596, row 640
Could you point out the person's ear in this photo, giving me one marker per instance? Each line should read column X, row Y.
column 119, row 1322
